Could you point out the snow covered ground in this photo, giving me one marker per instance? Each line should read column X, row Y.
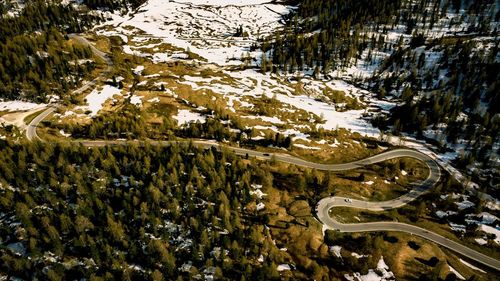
column 283, row 267
column 306, row 147
column 485, row 221
column 358, row 256
column 260, row 206
column 17, row 112
column 185, row 116
column 96, row 99
column 136, row 100
column 491, row 230
column 381, row 273
column 252, row 84
column 19, row 105
column 223, row 3
column 443, row 159
column 205, row 27
column 257, row 191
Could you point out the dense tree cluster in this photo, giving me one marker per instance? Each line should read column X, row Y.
column 35, row 58
column 35, row 66
column 40, row 15
column 462, row 77
column 125, row 122
column 130, row 213
column 218, row 129
column 451, row 86
column 328, row 35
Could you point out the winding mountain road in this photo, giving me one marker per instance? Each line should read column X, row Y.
column 325, row 205
column 31, row 129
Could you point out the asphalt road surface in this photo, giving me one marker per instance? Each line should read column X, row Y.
column 31, row 129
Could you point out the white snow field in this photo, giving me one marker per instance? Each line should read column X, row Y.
column 283, row 267
column 491, row 230
column 19, row 105
column 205, row 27
column 96, row 99
column 223, row 3
column 253, row 84
column 185, row 116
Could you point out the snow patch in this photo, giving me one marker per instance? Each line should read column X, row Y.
column 19, row 105
column 136, row 100
column 64, row 134
column 457, row 227
column 358, row 256
column 222, row 3
column 283, row 267
column 258, row 193
column 305, row 146
column 491, row 230
column 260, row 206
column 185, row 117
column 464, row 204
column 481, row 241
column 97, row 98
column 441, row 214
column 274, row 120
column 154, row 100
column 454, row 271
column 381, row 273
column 336, row 251
column 138, row 70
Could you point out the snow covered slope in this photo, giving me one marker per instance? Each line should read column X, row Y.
column 205, row 27
column 208, row 28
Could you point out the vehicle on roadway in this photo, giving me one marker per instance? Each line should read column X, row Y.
column 348, row 200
